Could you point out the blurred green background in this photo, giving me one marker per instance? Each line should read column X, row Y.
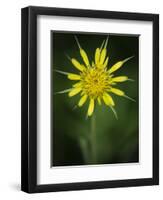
column 117, row 140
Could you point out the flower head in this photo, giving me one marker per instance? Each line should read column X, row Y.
column 95, row 82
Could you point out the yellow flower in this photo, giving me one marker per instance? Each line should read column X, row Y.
column 95, row 82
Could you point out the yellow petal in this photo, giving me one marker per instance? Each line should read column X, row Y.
column 77, row 64
column 115, row 67
column 99, row 100
column 82, row 100
column 78, row 84
column 117, row 91
column 74, row 91
column 106, row 62
column 103, row 55
column 120, row 79
column 108, row 99
column 119, row 64
column 74, row 76
column 91, row 107
column 97, row 55
column 93, row 64
column 84, row 56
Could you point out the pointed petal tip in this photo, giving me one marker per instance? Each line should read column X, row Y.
column 114, row 112
column 75, row 107
column 130, row 79
column 63, row 91
column 69, row 58
column 61, row 72
column 127, row 97
column 106, row 42
column 102, row 45
column 127, row 59
column 77, row 41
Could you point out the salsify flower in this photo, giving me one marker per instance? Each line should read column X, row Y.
column 95, row 82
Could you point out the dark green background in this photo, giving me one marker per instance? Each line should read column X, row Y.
column 117, row 140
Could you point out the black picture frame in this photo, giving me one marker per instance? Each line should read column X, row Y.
column 29, row 99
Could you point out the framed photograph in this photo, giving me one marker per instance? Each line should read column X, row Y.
column 90, row 99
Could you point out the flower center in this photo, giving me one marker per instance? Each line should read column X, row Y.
column 95, row 82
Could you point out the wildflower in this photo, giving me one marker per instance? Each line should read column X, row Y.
column 95, row 82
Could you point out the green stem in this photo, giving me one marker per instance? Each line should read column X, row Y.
column 93, row 138
column 84, row 149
